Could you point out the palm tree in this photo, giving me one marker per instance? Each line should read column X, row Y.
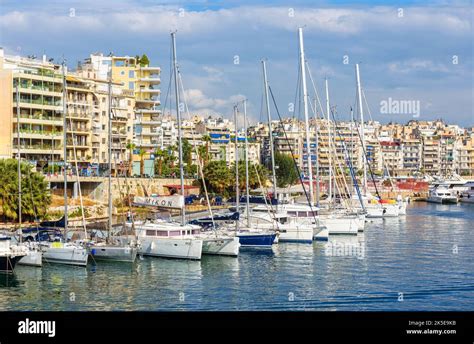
column 218, row 176
column 206, row 139
column 160, row 155
column 35, row 195
column 142, row 153
column 130, row 146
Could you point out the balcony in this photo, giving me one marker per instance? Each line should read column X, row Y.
column 151, row 80
column 150, row 69
column 151, row 111
column 51, row 91
column 149, row 90
column 148, row 101
column 40, row 119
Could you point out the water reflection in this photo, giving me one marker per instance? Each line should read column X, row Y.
column 410, row 254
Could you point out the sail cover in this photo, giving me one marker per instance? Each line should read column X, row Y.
column 174, row 201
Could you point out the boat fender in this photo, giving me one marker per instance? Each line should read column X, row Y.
column 93, row 251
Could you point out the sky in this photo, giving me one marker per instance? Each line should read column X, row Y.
column 415, row 56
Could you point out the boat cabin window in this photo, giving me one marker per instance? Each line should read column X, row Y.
column 150, row 232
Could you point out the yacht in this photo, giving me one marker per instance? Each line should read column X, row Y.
column 442, row 194
column 10, row 255
column 467, row 196
column 168, row 239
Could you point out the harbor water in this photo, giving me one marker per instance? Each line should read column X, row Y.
column 423, row 261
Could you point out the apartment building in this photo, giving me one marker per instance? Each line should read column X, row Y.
column 431, row 155
column 392, row 155
column 39, row 100
column 411, row 153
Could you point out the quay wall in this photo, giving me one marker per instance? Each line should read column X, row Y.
column 97, row 188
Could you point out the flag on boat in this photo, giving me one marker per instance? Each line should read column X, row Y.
column 174, row 201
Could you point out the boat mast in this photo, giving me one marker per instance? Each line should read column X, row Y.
column 269, row 118
column 18, row 155
column 359, row 94
column 306, row 118
column 246, row 163
column 328, row 111
column 318, row 178
column 110, row 155
column 178, row 115
column 236, row 147
column 64, row 147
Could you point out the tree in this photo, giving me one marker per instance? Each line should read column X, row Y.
column 207, row 140
column 253, row 177
column 187, row 150
column 160, row 156
column 144, row 61
column 286, row 173
column 35, row 193
column 142, row 153
column 218, row 177
column 130, row 146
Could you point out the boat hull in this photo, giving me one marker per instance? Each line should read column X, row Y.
column 442, row 200
column 114, row 253
column 263, row 240
column 66, row 255
column 8, row 263
column 298, row 235
column 32, row 258
column 171, row 248
column 221, row 246
column 342, row 226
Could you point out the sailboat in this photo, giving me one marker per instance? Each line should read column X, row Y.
column 251, row 235
column 112, row 249
column 59, row 250
column 170, row 239
column 34, row 255
column 373, row 205
column 10, row 255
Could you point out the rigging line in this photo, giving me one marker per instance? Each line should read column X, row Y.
column 264, row 194
column 169, row 83
column 83, row 216
column 197, row 154
column 384, row 163
column 351, row 167
column 297, row 91
column 339, row 172
column 366, row 159
column 293, row 157
column 262, row 187
column 315, row 89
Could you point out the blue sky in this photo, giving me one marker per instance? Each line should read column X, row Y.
column 407, row 57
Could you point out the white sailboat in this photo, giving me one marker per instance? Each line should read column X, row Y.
column 167, row 238
column 112, row 249
column 61, row 251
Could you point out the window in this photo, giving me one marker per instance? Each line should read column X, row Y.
column 122, row 72
column 103, row 126
column 119, row 63
column 103, row 140
column 103, row 99
column 131, row 85
column 150, row 232
column 131, row 74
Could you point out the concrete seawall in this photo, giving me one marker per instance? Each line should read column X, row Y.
column 96, row 188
